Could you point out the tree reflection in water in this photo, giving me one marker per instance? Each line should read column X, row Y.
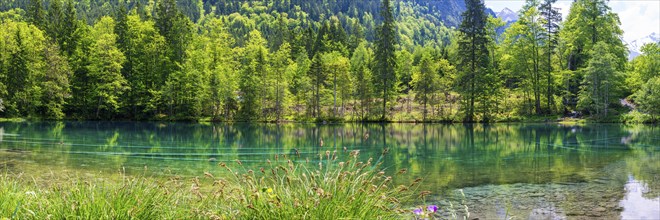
column 546, row 170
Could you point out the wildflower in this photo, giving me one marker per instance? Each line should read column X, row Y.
column 269, row 191
column 432, row 208
column 418, row 211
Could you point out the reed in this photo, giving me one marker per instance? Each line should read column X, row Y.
column 337, row 186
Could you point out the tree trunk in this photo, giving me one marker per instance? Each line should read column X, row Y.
column 334, row 94
column 384, row 99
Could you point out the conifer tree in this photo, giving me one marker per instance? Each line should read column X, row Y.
column 384, row 74
column 318, row 77
column 551, row 18
column 473, row 56
column 36, row 13
column 69, row 35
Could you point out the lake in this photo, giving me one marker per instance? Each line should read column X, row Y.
column 529, row 171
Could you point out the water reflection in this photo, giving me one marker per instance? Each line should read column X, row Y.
column 546, row 170
column 636, row 204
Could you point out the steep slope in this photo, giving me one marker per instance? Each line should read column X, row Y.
column 450, row 10
column 507, row 15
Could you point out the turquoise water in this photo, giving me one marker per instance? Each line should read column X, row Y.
column 538, row 171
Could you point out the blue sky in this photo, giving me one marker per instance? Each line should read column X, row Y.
column 639, row 18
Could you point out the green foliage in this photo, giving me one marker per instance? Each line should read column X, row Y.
column 385, row 57
column 26, row 72
column 223, row 80
column 36, row 14
column 551, row 17
column 360, row 63
column 589, row 22
column 636, row 117
column 301, row 87
column 107, row 83
column 477, row 78
column 648, row 97
column 145, row 67
column 337, row 68
column 307, row 60
column 283, row 69
column 644, row 67
column 175, row 27
column 253, row 75
column 317, row 77
column 133, row 198
column 522, row 57
column 184, row 90
column 333, row 188
column 601, row 82
column 55, row 84
column 339, row 186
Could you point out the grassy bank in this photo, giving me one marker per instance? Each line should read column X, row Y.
column 332, row 189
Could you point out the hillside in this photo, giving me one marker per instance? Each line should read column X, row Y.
column 295, row 60
column 432, row 14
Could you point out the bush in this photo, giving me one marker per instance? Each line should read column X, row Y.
column 636, row 117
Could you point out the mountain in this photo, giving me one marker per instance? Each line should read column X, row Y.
column 446, row 12
column 420, row 21
column 507, row 15
column 635, row 46
column 449, row 10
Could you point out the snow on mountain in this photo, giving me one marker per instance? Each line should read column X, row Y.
column 507, row 15
column 635, row 46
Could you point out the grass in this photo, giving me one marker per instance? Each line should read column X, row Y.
column 337, row 187
column 12, row 119
column 26, row 198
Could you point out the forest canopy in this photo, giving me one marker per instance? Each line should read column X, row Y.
column 295, row 60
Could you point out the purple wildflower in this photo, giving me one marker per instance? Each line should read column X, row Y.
column 432, row 208
column 418, row 211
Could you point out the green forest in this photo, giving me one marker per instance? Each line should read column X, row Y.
column 320, row 60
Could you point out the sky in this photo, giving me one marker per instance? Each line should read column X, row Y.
column 639, row 18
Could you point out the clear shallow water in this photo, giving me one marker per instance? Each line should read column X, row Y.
column 537, row 171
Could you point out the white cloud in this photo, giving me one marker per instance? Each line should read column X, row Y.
column 639, row 18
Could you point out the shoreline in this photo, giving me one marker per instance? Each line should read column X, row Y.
column 326, row 122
